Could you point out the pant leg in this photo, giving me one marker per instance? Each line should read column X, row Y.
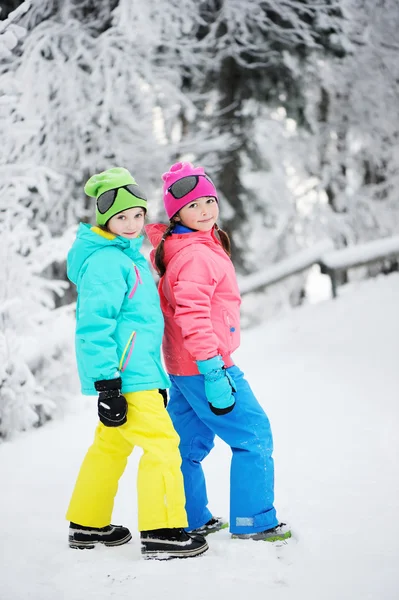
column 196, row 441
column 247, row 431
column 93, row 497
column 161, row 499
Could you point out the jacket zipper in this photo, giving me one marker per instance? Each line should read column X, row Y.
column 131, row 340
column 138, row 280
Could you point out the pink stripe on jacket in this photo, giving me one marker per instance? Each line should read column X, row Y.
column 200, row 300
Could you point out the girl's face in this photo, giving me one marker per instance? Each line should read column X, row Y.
column 201, row 214
column 128, row 223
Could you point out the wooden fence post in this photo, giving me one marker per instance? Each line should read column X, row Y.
column 334, row 282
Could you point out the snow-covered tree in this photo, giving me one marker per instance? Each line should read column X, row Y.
column 35, row 339
column 290, row 105
column 245, row 77
column 352, row 109
column 34, row 381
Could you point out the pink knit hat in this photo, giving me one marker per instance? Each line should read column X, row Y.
column 193, row 184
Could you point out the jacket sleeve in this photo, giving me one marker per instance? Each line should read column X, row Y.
column 193, row 291
column 99, row 303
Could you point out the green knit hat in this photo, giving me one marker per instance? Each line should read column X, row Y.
column 122, row 193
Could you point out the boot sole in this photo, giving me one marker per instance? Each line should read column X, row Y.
column 90, row 545
column 279, row 537
column 170, row 554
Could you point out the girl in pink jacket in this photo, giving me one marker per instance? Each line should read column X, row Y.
column 209, row 396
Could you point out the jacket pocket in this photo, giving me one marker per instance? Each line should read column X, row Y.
column 127, row 352
column 230, row 329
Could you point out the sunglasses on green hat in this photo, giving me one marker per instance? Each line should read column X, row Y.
column 106, row 200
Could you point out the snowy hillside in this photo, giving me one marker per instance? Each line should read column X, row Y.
column 328, row 378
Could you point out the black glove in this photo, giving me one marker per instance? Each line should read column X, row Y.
column 164, row 395
column 112, row 406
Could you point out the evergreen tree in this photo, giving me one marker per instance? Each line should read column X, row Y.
column 352, row 109
column 249, row 53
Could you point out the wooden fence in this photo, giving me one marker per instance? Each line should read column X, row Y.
column 332, row 262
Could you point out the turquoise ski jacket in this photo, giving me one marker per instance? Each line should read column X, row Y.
column 119, row 323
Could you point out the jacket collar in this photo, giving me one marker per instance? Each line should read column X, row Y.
column 177, row 241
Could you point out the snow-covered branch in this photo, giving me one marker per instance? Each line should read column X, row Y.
column 10, row 33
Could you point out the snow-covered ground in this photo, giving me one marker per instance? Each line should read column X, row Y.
column 328, row 378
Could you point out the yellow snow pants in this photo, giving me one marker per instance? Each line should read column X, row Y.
column 160, row 488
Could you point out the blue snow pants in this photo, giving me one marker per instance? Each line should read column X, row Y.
column 246, row 429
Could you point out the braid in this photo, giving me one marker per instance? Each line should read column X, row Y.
column 224, row 239
column 159, row 252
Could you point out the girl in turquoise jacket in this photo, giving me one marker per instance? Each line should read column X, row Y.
column 119, row 329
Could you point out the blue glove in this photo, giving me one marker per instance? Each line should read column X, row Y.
column 219, row 385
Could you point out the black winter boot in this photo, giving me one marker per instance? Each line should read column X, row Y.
column 164, row 544
column 87, row 537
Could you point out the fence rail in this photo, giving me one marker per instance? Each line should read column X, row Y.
column 331, row 262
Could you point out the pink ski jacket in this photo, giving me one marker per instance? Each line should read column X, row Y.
column 200, row 300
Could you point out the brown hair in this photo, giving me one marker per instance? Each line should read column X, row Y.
column 160, row 251
column 223, row 239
